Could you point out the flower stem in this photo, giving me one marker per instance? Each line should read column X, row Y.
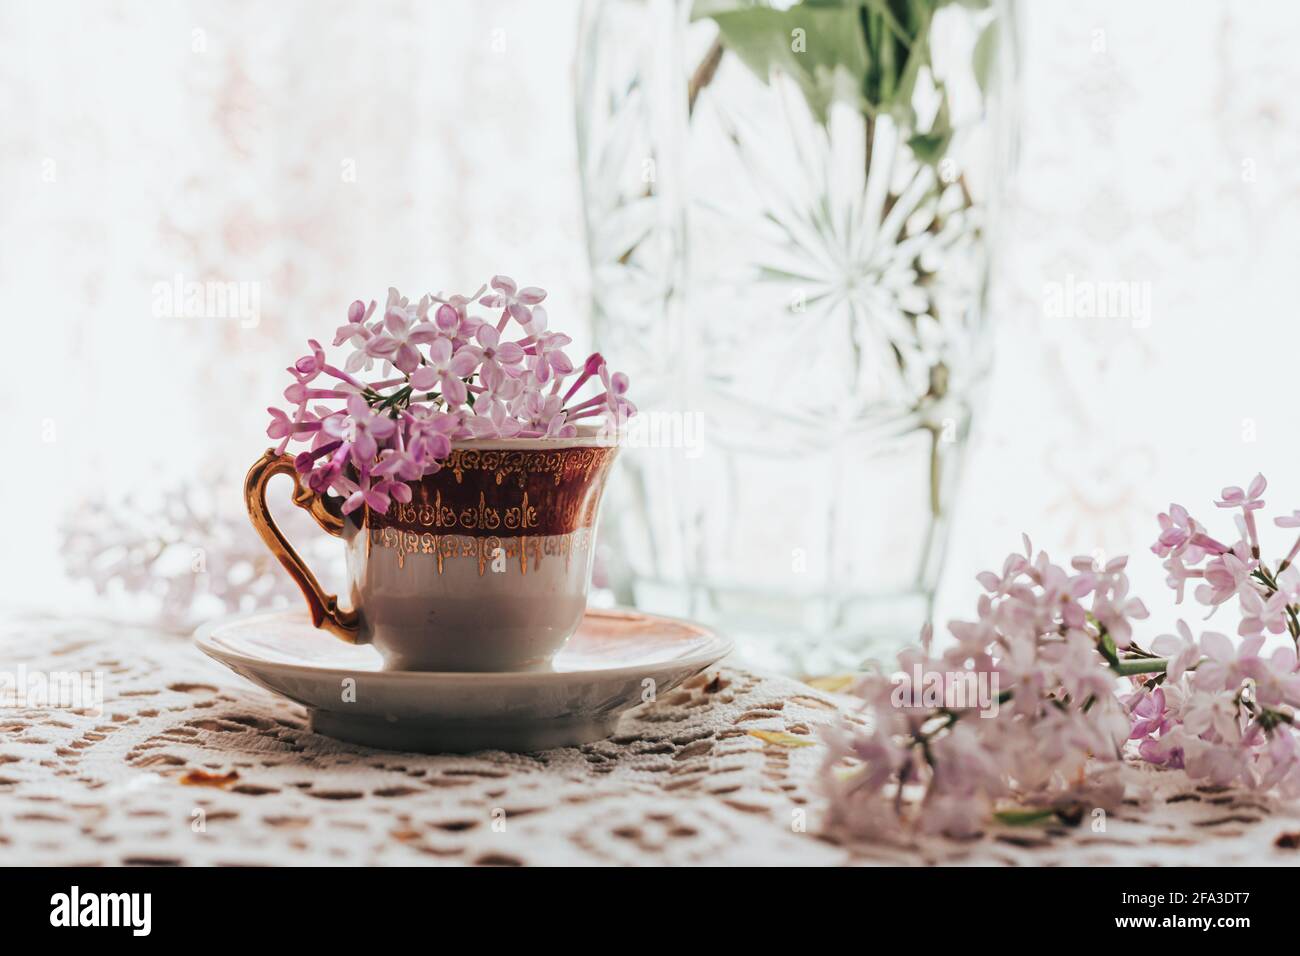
column 1127, row 668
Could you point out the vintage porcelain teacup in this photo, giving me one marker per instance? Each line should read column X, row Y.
column 486, row 569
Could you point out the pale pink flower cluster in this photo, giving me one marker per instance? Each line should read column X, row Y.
column 1059, row 642
column 424, row 374
column 1046, row 638
column 1225, row 711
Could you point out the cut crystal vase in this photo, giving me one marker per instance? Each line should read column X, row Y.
column 789, row 221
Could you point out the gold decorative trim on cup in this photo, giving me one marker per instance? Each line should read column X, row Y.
column 325, row 611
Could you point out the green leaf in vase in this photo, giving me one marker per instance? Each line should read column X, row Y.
column 985, row 54
column 930, row 147
column 866, row 52
column 821, row 49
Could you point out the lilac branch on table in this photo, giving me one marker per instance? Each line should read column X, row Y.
column 1051, row 646
column 446, row 376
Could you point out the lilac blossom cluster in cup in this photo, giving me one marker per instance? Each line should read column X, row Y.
column 422, row 375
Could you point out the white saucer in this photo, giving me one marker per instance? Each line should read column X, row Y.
column 616, row 660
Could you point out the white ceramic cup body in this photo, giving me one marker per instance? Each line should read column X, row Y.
column 488, row 568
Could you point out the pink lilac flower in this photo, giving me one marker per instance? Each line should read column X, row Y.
column 1163, row 752
column 1249, row 501
column 401, row 336
column 492, row 353
column 1179, row 575
column 1277, row 682
column 367, row 494
column 1225, row 666
column 547, row 358
column 281, row 426
column 535, row 325
column 1289, row 521
column 362, row 430
column 1114, row 609
column 1220, row 763
column 1182, row 651
column 592, row 366
column 309, row 366
column 1150, row 716
column 1177, row 528
column 515, row 302
column 496, row 394
column 1225, row 576
column 544, row 416
column 445, row 371
column 429, row 435
column 354, row 331
column 1259, row 614
column 455, row 323
column 616, row 385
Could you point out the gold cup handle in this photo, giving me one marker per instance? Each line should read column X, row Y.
column 325, row 610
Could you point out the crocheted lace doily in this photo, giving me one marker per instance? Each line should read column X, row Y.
column 188, row 764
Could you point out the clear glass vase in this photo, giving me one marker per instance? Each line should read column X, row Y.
column 788, row 220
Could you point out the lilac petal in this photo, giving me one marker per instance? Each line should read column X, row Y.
column 1166, row 645
column 1250, row 647
column 446, row 318
column 424, row 378
column 509, row 388
column 508, row 353
column 423, row 334
column 491, row 375
column 407, row 358
column 364, row 448
column 531, row 295
column 488, row 336
column 440, row 352
column 381, row 346
column 504, row 284
column 280, row 426
column 395, row 322
column 453, row 390
column 465, row 361
column 1216, row 646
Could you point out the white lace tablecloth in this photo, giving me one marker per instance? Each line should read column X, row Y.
column 189, row 764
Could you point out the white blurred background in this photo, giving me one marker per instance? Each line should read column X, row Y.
column 322, row 151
